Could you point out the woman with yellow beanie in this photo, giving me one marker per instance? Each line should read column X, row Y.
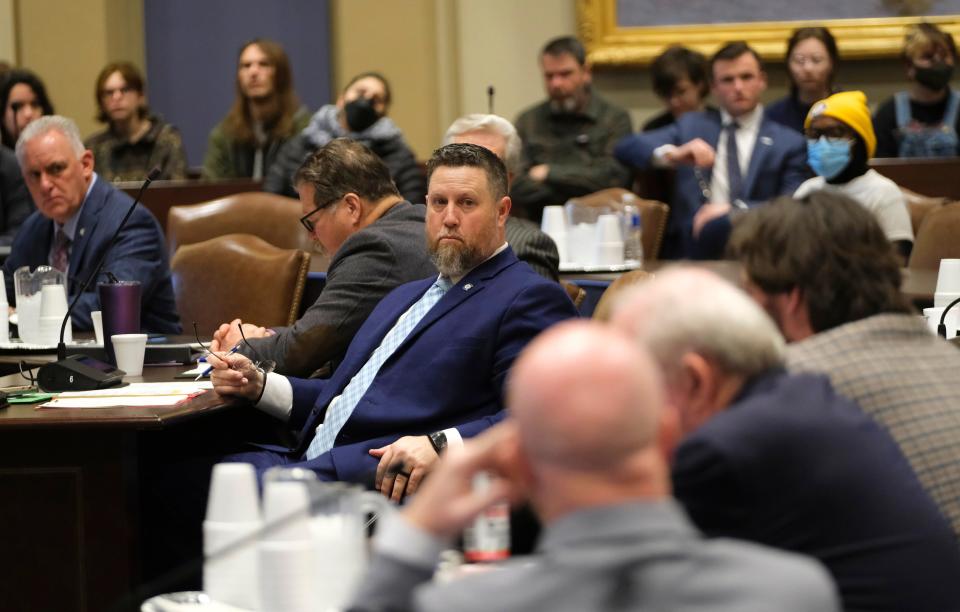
column 840, row 141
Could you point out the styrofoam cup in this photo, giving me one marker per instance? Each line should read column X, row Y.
column 609, row 229
column 53, row 301
column 554, row 220
column 130, row 349
column 286, row 504
column 948, row 277
column 610, row 254
column 230, row 568
column 582, row 242
column 233, row 496
column 97, row 317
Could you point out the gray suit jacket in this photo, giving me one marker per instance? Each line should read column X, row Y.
column 371, row 263
column 534, row 247
column 638, row 556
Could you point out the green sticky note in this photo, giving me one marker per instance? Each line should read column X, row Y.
column 28, row 398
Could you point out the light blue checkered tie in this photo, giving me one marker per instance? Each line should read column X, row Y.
column 341, row 407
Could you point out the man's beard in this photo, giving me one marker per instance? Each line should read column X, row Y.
column 453, row 260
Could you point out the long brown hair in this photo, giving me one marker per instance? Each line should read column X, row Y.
column 282, row 105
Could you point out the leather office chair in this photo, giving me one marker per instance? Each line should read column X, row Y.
column 272, row 217
column 653, row 217
column 604, row 308
column 238, row 275
column 937, row 237
column 574, row 292
column 919, row 205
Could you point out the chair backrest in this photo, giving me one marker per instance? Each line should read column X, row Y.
column 272, row 217
column 653, row 217
column 919, row 205
column 604, row 308
column 937, row 237
column 238, row 276
column 574, row 292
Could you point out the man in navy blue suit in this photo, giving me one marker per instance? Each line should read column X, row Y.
column 784, row 460
column 771, row 159
column 77, row 215
column 427, row 367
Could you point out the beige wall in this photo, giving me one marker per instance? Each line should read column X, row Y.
column 8, row 40
column 69, row 50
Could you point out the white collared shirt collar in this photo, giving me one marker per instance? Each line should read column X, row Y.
column 749, row 121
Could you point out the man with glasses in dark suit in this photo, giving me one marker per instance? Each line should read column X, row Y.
column 354, row 212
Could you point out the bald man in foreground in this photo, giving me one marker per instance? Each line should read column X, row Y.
column 586, row 446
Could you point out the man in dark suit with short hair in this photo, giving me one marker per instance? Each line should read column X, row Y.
column 771, row 158
column 784, row 460
column 76, row 218
column 427, row 367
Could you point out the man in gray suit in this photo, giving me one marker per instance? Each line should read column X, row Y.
column 587, row 446
column 353, row 211
column 524, row 237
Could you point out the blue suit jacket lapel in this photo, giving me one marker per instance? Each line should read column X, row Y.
column 470, row 285
column 86, row 226
column 761, row 149
column 711, row 134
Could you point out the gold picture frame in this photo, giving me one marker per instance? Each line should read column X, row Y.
column 609, row 44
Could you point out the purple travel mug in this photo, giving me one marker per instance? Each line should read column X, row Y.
column 120, row 304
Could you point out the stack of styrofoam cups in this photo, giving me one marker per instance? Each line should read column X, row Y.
column 286, row 550
column 554, row 224
column 582, row 242
column 948, row 289
column 609, row 241
column 53, row 308
column 4, row 313
column 233, row 515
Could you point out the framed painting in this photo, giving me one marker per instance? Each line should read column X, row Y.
column 633, row 32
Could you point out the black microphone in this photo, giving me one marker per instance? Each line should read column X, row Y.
column 490, row 92
column 942, row 327
column 61, row 346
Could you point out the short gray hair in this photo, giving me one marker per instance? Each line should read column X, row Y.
column 50, row 123
column 688, row 310
column 495, row 124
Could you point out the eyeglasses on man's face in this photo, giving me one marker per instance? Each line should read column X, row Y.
column 305, row 219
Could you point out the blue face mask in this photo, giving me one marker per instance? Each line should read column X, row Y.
column 828, row 156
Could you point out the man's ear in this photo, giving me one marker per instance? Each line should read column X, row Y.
column 353, row 207
column 503, row 210
column 699, row 384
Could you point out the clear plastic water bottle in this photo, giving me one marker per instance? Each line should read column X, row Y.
column 632, row 231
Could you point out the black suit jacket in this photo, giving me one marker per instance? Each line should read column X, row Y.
column 793, row 465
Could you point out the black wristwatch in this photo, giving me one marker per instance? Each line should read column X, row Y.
column 438, row 440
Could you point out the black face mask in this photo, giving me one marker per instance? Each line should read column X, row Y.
column 935, row 77
column 360, row 114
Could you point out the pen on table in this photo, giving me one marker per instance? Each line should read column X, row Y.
column 210, row 368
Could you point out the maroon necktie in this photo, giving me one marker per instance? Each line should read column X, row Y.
column 61, row 251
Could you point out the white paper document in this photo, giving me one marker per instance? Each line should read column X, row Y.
column 135, row 394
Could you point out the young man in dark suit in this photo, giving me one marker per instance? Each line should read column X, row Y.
column 771, row 159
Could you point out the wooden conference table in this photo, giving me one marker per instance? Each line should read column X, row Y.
column 69, row 504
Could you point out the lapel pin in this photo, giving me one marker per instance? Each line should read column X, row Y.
column 766, row 140
column 82, row 230
column 468, row 287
